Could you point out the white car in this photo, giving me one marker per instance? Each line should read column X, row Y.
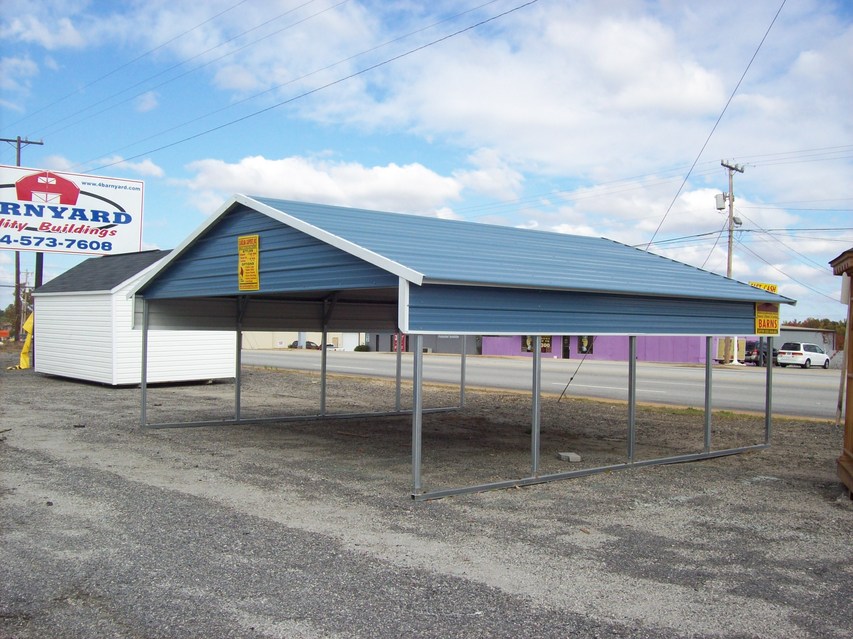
column 802, row 354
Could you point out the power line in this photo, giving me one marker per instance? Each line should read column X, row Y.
column 128, row 63
column 824, row 268
column 324, row 86
column 793, row 279
column 743, row 232
column 714, row 128
column 788, row 208
column 803, row 230
column 194, row 69
column 231, row 105
column 716, row 241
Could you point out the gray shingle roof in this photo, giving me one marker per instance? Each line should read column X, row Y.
column 101, row 273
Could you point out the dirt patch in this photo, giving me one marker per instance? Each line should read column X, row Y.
column 306, row 529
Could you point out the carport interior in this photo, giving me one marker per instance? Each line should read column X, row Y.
column 314, row 279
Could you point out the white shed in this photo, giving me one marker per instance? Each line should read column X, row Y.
column 84, row 329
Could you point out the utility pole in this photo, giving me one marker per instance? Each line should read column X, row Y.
column 731, row 197
column 731, row 355
column 19, row 144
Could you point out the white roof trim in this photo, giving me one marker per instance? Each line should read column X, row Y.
column 403, row 306
column 353, row 249
column 151, row 274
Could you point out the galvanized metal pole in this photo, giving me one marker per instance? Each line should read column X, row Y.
column 632, row 397
column 399, row 403
column 323, row 361
column 417, row 413
column 768, row 393
column 238, row 372
column 535, row 435
column 242, row 307
column 143, row 381
column 708, row 387
column 462, row 371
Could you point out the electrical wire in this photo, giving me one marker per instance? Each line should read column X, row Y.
column 580, row 363
column 716, row 241
column 126, row 64
column 304, row 94
column 231, row 105
column 714, row 128
column 822, row 268
column 654, row 179
column 190, row 71
column 776, row 268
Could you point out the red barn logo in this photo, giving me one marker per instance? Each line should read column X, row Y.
column 47, row 188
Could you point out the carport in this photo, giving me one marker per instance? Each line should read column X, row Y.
column 266, row 264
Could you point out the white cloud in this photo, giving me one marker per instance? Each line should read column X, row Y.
column 493, row 176
column 47, row 31
column 407, row 188
column 577, row 229
column 148, row 101
column 145, row 168
column 57, row 163
column 15, row 74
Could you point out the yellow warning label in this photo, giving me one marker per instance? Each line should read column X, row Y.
column 248, row 263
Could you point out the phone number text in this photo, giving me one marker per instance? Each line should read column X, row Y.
column 52, row 242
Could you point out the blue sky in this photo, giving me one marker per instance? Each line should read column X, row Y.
column 578, row 117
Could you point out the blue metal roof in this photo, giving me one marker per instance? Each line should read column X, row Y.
column 432, row 250
column 328, row 266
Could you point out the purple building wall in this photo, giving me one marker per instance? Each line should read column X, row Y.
column 678, row 349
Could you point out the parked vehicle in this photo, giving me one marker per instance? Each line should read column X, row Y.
column 802, row 354
column 754, row 350
column 309, row 345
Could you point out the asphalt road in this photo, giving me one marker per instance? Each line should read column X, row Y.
column 809, row 393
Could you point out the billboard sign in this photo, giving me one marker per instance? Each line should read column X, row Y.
column 57, row 212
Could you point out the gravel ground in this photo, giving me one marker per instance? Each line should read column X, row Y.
column 306, row 529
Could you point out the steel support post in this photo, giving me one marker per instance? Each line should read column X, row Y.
column 768, row 394
column 143, row 380
column 463, row 368
column 238, row 374
column 632, row 397
column 536, row 389
column 323, row 362
column 708, row 386
column 417, row 413
column 398, row 404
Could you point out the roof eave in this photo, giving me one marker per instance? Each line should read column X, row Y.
column 767, row 297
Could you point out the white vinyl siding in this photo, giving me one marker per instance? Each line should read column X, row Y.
column 89, row 336
column 73, row 337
